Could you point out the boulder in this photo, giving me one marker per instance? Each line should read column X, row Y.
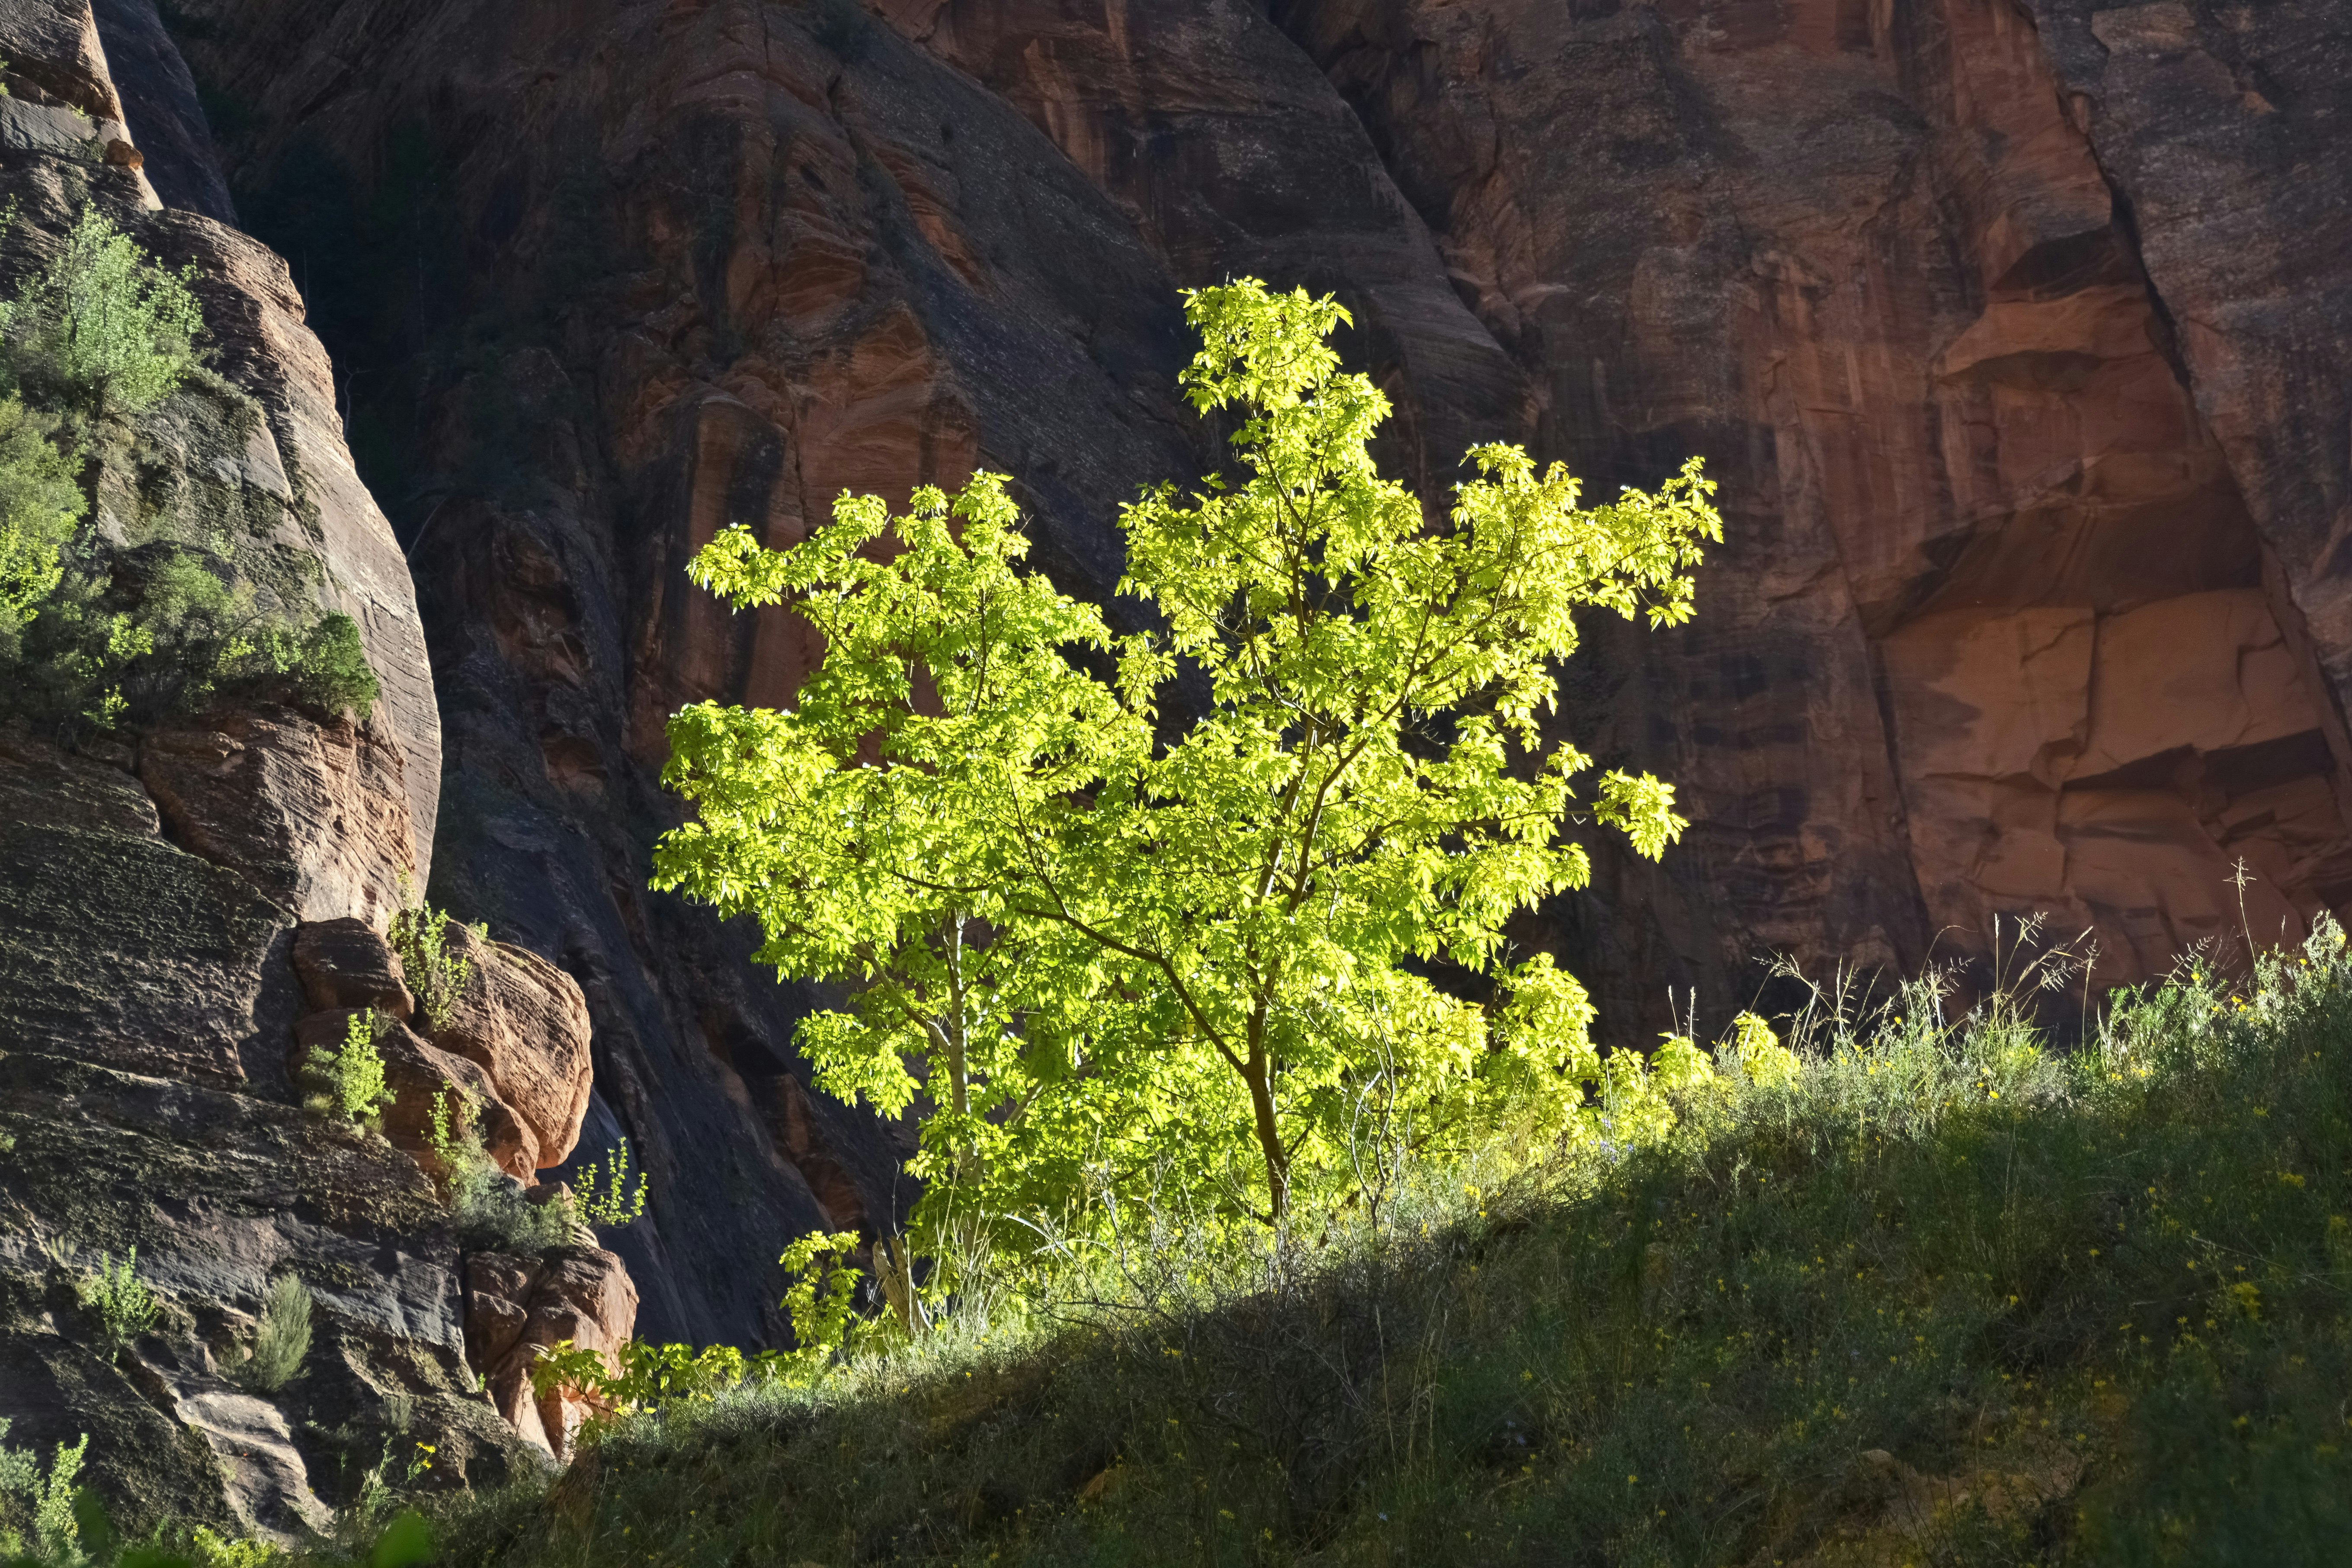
column 419, row 1074
column 516, row 1306
column 347, row 963
column 524, row 1022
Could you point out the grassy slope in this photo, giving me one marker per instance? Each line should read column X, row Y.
column 1945, row 1300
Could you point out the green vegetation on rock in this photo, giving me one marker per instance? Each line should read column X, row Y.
column 437, row 977
column 124, row 1307
column 36, row 1504
column 104, row 330
column 488, row 1206
column 96, row 631
column 606, row 1193
column 40, row 506
column 281, row 1340
column 350, row 1076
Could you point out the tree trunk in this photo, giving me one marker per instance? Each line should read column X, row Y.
column 1258, row 1075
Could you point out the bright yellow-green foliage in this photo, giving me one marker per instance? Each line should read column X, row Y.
column 603, row 1192
column 40, row 506
column 352, row 1074
column 820, row 1302
column 1126, row 961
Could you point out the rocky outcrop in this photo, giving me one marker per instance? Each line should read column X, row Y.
column 516, row 1307
column 187, row 909
column 525, row 1023
column 346, row 964
column 314, row 815
column 146, row 997
column 118, row 947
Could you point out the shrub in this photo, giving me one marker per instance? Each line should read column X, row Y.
column 488, row 1206
column 125, row 1307
column 105, row 330
column 820, row 1304
column 437, row 977
column 136, row 636
column 328, row 666
column 282, row 1339
column 603, row 1193
column 19, row 1470
column 351, row 1078
column 213, row 1551
column 45, row 1502
column 40, row 505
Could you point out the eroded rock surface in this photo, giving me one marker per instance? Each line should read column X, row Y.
column 1992, row 631
column 346, row 963
column 516, row 1306
column 156, row 972
column 525, row 1023
column 316, row 816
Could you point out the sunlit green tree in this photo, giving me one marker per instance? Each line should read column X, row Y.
column 1117, row 958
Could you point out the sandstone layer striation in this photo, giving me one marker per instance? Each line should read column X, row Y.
column 188, row 906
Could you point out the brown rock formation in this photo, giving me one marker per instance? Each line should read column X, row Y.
column 767, row 254
column 149, row 987
column 525, row 1023
column 1993, row 622
column 516, row 1307
column 317, row 816
column 347, row 963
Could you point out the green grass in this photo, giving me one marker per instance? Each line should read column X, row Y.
column 1945, row 1299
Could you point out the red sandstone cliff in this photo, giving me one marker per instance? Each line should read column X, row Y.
column 2015, row 337
column 187, row 904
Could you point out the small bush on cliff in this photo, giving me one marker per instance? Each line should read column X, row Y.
column 104, row 330
column 133, row 636
column 1197, row 965
column 94, row 637
column 490, row 1207
column 350, row 1079
column 281, row 1340
column 124, row 1306
column 437, row 977
column 494, row 1212
column 40, row 506
column 603, row 1194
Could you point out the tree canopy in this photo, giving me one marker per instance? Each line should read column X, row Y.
column 1107, row 952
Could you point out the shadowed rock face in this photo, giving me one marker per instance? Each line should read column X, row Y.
column 2015, row 340
column 1995, row 629
column 719, row 265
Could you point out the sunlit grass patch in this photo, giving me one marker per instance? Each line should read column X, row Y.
column 1941, row 1296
